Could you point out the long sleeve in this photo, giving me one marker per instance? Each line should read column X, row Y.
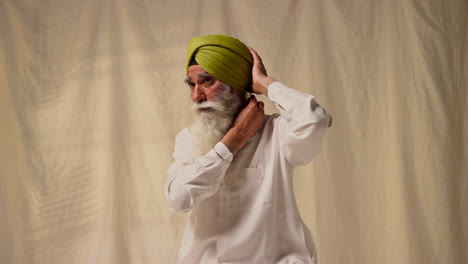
column 301, row 125
column 193, row 179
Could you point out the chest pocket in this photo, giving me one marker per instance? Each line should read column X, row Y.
column 255, row 187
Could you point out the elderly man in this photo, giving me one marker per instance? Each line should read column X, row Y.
column 233, row 168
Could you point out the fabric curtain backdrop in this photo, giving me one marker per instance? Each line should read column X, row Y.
column 92, row 96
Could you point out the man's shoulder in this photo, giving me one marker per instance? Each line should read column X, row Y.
column 183, row 134
column 271, row 120
column 273, row 124
column 267, row 118
column 185, row 130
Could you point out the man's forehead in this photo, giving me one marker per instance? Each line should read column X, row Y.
column 196, row 71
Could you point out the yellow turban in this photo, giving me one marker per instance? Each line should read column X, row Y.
column 224, row 57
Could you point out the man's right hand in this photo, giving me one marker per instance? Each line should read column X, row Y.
column 246, row 124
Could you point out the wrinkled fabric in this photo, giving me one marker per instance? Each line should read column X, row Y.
column 92, row 97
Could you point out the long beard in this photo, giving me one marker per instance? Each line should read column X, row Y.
column 211, row 126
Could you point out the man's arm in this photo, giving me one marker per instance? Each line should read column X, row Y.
column 246, row 124
column 303, row 121
column 250, row 119
column 301, row 125
column 191, row 181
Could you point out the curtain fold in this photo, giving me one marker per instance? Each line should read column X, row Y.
column 92, row 96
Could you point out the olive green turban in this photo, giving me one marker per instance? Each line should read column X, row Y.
column 224, row 57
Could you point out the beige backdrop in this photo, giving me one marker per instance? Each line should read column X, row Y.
column 92, row 96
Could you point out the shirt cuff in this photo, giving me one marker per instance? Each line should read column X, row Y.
column 223, row 151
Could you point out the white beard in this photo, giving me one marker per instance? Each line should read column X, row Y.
column 211, row 126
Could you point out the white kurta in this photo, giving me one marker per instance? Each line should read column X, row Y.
column 255, row 218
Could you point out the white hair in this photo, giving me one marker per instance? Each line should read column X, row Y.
column 211, row 126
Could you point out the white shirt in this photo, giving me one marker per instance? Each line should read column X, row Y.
column 254, row 220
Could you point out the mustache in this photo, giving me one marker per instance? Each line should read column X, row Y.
column 217, row 106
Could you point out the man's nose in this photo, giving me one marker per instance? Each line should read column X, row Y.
column 198, row 95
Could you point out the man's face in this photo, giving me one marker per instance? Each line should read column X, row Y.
column 215, row 105
column 203, row 86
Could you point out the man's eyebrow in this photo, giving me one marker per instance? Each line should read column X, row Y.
column 201, row 75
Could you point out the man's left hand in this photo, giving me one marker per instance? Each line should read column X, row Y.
column 260, row 79
column 246, row 124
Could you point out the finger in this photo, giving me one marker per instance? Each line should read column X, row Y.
column 253, row 100
column 254, row 55
column 259, row 58
column 252, row 51
column 261, row 105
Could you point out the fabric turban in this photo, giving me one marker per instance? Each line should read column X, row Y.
column 224, row 57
